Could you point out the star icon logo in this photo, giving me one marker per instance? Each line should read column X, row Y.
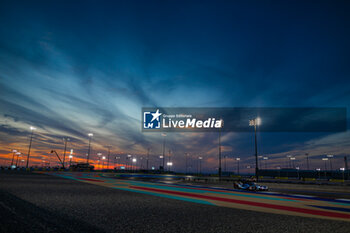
column 156, row 115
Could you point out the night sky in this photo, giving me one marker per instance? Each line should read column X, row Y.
column 69, row 68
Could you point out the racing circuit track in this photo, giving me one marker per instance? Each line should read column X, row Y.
column 110, row 202
column 297, row 205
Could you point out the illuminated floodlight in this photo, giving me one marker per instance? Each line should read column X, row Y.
column 134, row 160
column 32, row 128
column 238, row 159
column 122, row 167
column 103, row 157
column 330, row 156
column 161, row 156
column 265, row 158
column 169, row 163
column 71, row 151
column 70, row 156
column 325, row 159
column 342, row 169
column 99, row 154
column 18, row 153
column 129, row 156
column 90, row 134
column 318, row 169
column 200, row 157
column 258, row 121
column 14, row 151
column 153, row 168
column 292, row 158
column 297, row 168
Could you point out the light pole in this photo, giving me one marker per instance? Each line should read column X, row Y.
column 169, row 164
column 109, row 152
column 99, row 159
column 13, row 156
column 297, row 172
column 292, row 159
column 343, row 170
column 160, row 161
column 103, row 161
column 200, row 164
column 30, row 144
column 325, row 163
column 319, row 172
column 70, row 160
column 325, row 166
column 219, row 170
column 64, row 152
column 289, row 163
column 163, row 135
column 134, row 160
column 169, row 159
column 88, row 155
column 330, row 161
column 238, row 159
column 256, row 122
column 117, row 158
column 265, row 158
column 307, row 161
column 18, row 154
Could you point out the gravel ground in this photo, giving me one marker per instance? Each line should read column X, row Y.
column 41, row 203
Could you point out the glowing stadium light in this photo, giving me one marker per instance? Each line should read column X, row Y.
column 255, row 122
column 90, row 134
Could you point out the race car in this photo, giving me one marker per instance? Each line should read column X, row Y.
column 251, row 186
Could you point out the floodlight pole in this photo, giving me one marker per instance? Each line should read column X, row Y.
column 164, row 135
column 256, row 154
column 109, row 152
column 64, row 152
column 219, row 154
column 30, row 145
column 88, row 155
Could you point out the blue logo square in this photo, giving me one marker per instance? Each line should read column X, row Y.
column 152, row 120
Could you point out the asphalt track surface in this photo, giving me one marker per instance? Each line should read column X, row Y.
column 45, row 203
